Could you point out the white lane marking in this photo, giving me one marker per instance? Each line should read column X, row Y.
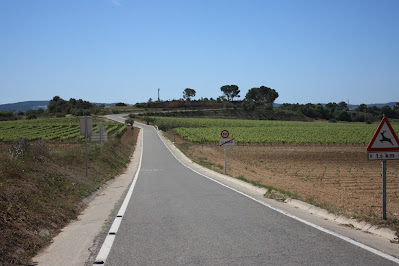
column 370, row 249
column 109, row 240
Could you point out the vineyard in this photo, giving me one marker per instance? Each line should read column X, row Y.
column 63, row 129
column 200, row 130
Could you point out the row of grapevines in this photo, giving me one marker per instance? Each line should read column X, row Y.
column 47, row 129
column 265, row 131
column 277, row 135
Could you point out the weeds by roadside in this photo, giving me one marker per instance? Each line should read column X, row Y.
column 42, row 186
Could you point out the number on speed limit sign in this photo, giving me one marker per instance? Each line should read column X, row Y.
column 224, row 134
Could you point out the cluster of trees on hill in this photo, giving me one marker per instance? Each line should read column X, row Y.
column 30, row 114
column 340, row 112
column 263, row 98
column 263, row 95
column 61, row 107
column 57, row 107
column 7, row 116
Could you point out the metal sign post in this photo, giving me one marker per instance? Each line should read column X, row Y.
column 225, row 161
column 384, row 146
column 384, row 189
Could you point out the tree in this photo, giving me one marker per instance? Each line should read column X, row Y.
column 362, row 108
column 342, row 115
column 252, row 95
column 262, row 94
column 388, row 112
column 230, row 91
column 129, row 121
column 343, row 106
column 188, row 94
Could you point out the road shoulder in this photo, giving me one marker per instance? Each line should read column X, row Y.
column 78, row 240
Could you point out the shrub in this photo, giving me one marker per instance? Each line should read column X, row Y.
column 248, row 106
column 19, row 148
column 129, row 122
column 31, row 116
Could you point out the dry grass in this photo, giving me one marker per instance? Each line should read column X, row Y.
column 45, row 193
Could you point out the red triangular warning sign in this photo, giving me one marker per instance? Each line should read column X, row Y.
column 384, row 138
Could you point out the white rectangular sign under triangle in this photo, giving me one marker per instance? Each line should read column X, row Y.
column 385, row 144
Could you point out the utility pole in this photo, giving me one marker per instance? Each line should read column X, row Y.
column 158, row 96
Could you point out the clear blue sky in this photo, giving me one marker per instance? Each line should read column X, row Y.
column 119, row 50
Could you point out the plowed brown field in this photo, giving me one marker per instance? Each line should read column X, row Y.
column 338, row 178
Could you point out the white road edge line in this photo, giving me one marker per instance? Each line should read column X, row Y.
column 109, row 240
column 370, row 249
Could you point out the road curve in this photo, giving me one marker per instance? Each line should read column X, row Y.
column 178, row 217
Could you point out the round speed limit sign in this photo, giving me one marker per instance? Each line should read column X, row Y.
column 224, row 134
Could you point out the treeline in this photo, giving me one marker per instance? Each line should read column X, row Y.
column 57, row 107
column 339, row 112
column 61, row 107
column 254, row 96
column 8, row 116
column 29, row 114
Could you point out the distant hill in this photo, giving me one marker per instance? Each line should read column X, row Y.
column 32, row 105
column 24, row 106
column 379, row 105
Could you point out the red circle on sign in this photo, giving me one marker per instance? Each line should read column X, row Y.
column 224, row 134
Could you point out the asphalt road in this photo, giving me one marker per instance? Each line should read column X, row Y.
column 178, row 217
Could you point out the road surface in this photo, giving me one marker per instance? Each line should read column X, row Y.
column 176, row 216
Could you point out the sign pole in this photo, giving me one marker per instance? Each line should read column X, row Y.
column 87, row 159
column 225, row 161
column 384, row 189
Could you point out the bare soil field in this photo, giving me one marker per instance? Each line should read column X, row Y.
column 338, row 178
